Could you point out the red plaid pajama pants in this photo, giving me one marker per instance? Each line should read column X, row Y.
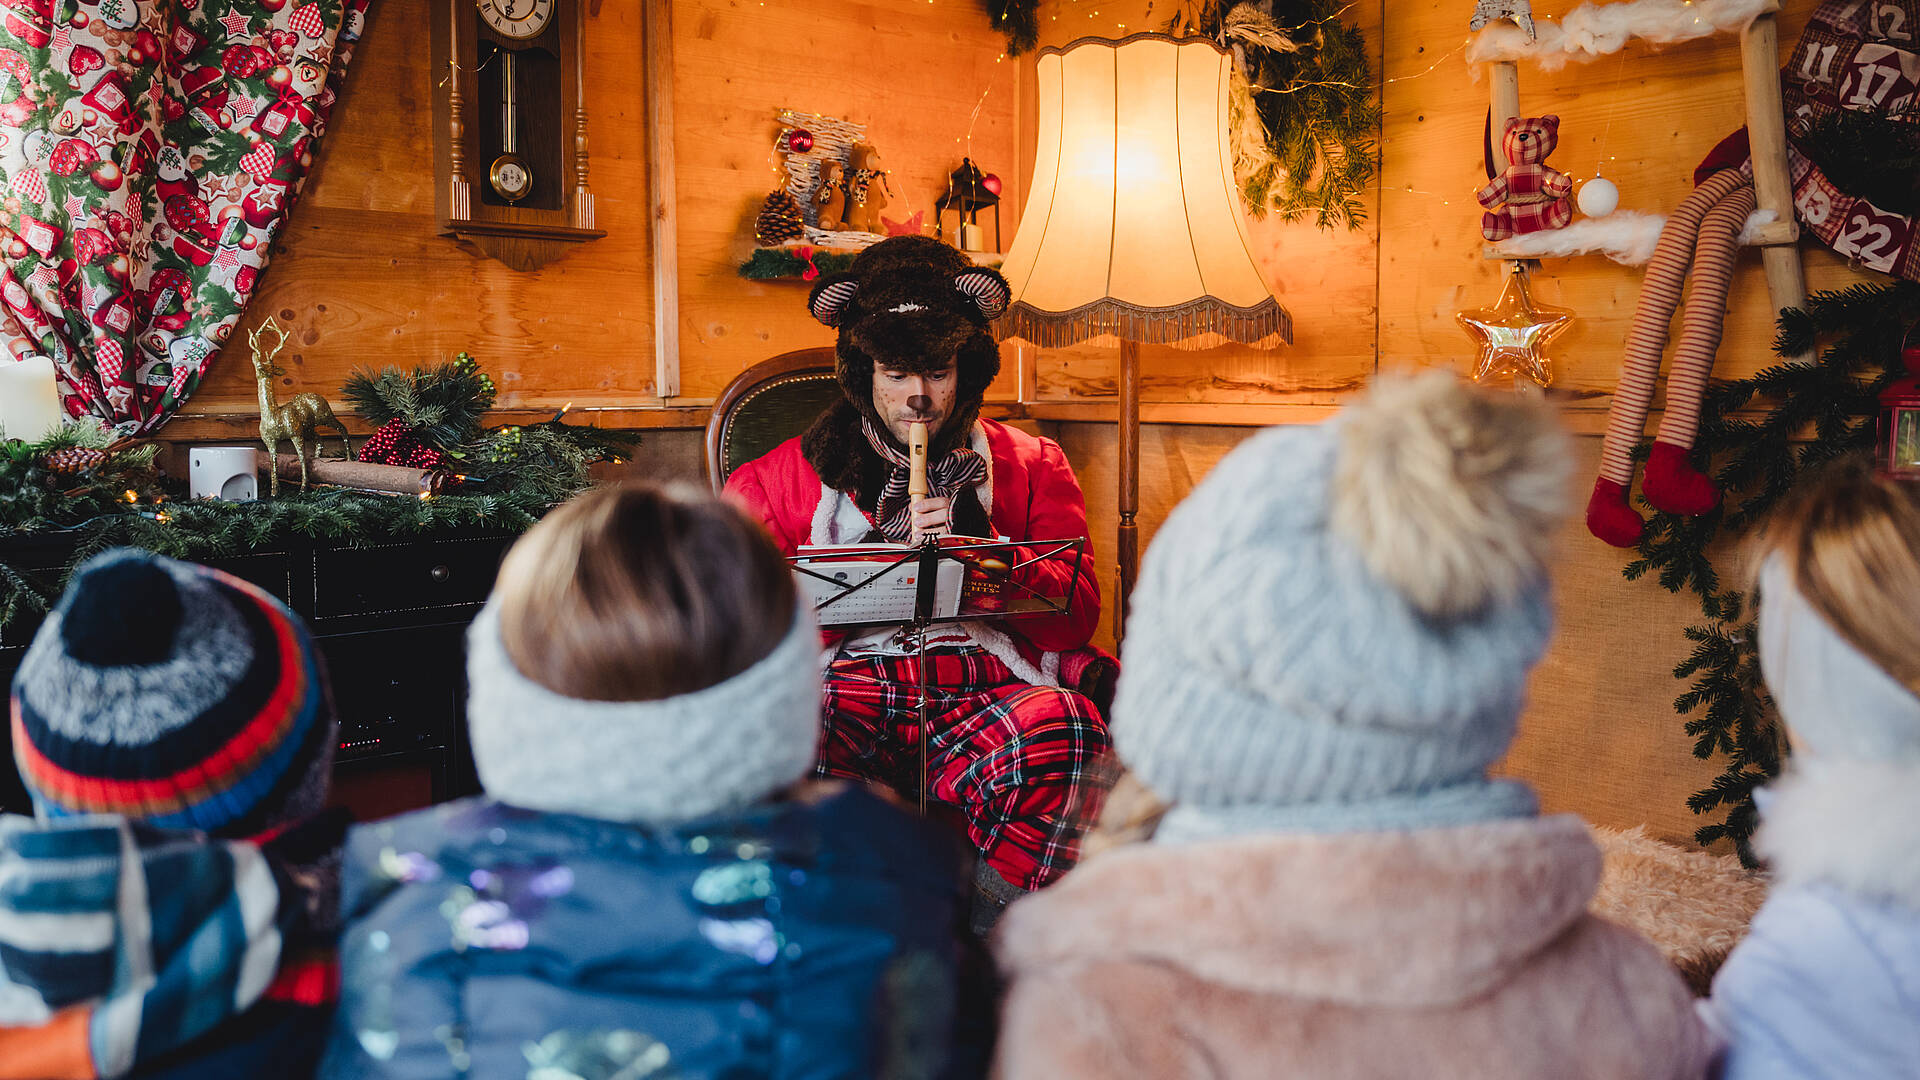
column 1014, row 758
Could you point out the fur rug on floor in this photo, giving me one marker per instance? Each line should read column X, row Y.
column 1694, row 906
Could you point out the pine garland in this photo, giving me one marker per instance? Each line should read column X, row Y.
column 1019, row 20
column 515, row 475
column 1315, row 98
column 1820, row 411
column 1870, row 155
column 767, row 264
column 35, row 496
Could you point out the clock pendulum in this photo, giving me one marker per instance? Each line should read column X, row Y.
column 511, row 177
column 514, row 185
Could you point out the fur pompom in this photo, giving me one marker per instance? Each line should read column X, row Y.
column 1450, row 494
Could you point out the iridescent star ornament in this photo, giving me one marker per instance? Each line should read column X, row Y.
column 1514, row 333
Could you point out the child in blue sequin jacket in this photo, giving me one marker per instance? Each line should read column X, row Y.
column 648, row 889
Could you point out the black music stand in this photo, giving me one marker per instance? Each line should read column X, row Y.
column 1016, row 598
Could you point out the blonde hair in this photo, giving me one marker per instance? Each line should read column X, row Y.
column 1129, row 814
column 635, row 591
column 1849, row 541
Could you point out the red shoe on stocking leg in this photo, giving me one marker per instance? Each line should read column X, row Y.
column 1673, row 485
column 1610, row 518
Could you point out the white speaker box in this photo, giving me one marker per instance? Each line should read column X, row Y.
column 227, row 473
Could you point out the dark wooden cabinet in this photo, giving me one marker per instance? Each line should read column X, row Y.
column 390, row 620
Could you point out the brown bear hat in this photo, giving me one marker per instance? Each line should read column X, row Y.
column 909, row 303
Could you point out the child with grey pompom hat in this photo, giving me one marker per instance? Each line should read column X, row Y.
column 1327, row 651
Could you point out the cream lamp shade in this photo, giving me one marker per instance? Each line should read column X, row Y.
column 1133, row 229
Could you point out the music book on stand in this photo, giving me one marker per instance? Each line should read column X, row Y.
column 853, row 584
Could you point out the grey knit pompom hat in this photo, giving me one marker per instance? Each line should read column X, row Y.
column 1333, row 632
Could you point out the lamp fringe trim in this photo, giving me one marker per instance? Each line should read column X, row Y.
column 1201, row 323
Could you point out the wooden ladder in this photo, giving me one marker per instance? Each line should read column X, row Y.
column 1766, row 132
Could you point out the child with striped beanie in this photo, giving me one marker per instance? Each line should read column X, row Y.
column 169, row 909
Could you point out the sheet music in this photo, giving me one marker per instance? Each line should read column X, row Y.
column 890, row 592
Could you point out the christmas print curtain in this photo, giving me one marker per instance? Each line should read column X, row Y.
column 151, row 151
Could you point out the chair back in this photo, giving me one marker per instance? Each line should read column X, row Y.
column 766, row 405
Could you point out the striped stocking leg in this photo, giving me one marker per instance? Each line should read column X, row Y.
column 1671, row 484
column 1608, row 515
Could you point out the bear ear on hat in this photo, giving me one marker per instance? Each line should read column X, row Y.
column 984, row 286
column 829, row 299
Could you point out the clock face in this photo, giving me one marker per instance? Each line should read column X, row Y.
column 518, row 19
column 510, row 177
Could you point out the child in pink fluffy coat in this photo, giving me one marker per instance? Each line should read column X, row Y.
column 1327, row 650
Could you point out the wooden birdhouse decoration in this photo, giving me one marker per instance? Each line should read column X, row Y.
column 510, row 128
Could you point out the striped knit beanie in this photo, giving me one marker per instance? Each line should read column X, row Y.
column 175, row 695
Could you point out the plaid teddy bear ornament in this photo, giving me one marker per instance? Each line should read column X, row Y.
column 1530, row 195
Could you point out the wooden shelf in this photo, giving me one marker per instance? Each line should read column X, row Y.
column 979, row 258
column 522, row 231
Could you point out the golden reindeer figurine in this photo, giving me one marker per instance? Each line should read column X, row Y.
column 299, row 420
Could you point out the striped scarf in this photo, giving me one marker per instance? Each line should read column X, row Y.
column 961, row 467
column 120, row 944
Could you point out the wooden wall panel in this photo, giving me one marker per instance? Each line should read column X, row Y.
column 361, row 275
column 912, row 72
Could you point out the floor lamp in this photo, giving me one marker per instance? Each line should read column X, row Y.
column 1133, row 230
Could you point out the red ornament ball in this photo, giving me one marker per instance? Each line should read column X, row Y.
column 991, row 183
column 799, row 140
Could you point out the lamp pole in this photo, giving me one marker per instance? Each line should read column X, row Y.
column 1127, row 551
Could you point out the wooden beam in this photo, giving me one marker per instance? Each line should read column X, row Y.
column 1504, row 76
column 245, row 427
column 1772, row 186
column 657, row 26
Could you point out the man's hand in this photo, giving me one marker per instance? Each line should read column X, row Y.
column 931, row 517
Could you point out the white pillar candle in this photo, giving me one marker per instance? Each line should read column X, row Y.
column 29, row 400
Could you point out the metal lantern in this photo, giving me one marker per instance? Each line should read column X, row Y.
column 1899, row 445
column 966, row 195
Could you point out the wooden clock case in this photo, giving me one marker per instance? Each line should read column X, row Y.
column 468, row 132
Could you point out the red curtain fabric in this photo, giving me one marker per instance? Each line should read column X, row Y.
column 151, row 150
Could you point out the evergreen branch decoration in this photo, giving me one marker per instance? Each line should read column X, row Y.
column 1019, row 20
column 1871, row 155
column 1818, row 412
column 443, row 404
column 114, row 497
column 1304, row 74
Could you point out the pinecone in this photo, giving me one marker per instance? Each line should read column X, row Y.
column 74, row 459
column 779, row 219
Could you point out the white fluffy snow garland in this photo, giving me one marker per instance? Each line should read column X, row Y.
column 1595, row 30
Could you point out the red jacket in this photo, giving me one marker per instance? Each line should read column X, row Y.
column 1033, row 496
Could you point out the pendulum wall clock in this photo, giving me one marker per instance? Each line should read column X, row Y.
column 510, row 128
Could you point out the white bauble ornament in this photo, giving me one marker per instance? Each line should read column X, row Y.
column 1598, row 197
